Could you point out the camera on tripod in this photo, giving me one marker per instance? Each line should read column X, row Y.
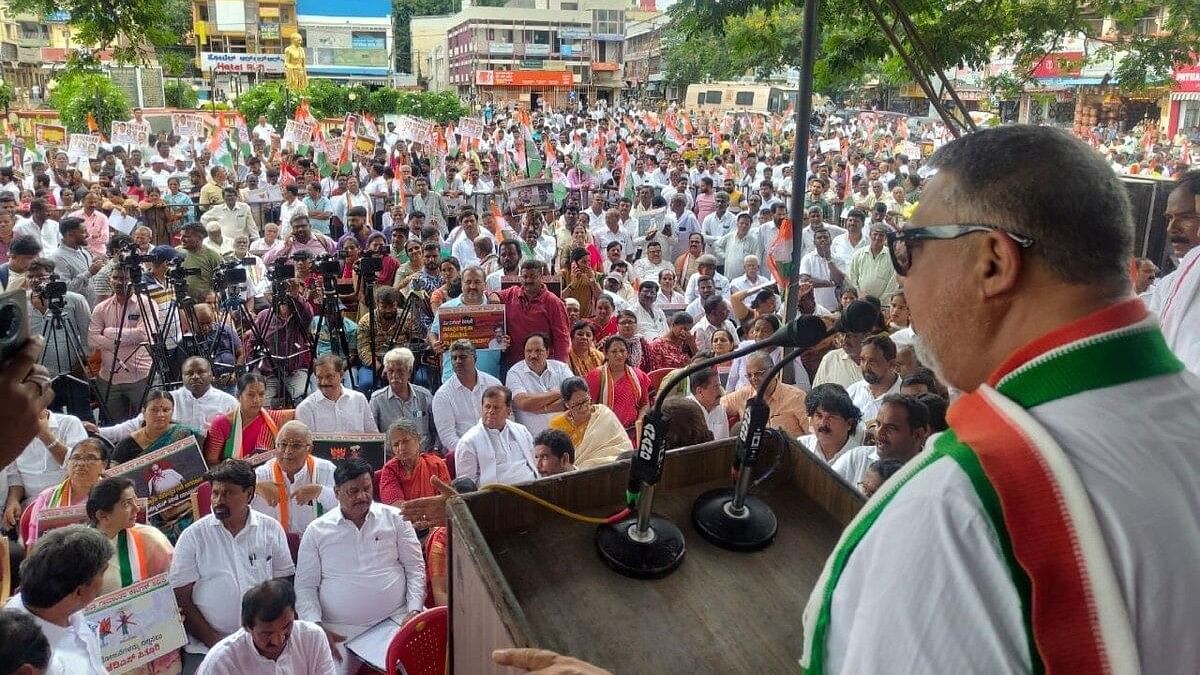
column 178, row 274
column 369, row 263
column 52, row 291
column 230, row 273
column 281, row 270
column 330, row 264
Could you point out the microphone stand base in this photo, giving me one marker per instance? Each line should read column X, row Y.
column 652, row 559
column 713, row 518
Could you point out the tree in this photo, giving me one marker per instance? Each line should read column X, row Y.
column 971, row 34
column 128, row 27
column 269, row 98
column 402, row 13
column 6, row 94
column 688, row 59
column 440, row 106
column 79, row 92
column 180, row 95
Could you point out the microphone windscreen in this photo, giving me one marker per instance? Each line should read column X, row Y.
column 859, row 317
column 802, row 333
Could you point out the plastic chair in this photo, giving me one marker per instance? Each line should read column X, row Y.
column 656, row 377
column 419, row 647
column 202, row 500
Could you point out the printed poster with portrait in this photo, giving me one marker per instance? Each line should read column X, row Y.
column 61, row 516
column 49, row 135
column 536, row 194
column 483, row 325
column 167, row 478
column 84, row 146
column 337, row 447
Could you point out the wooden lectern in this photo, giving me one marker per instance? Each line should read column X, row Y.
column 521, row 576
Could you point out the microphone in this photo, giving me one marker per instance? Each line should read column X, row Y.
column 732, row 518
column 646, row 546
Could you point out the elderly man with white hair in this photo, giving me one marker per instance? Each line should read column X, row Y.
column 706, row 266
column 401, row 398
column 294, row 487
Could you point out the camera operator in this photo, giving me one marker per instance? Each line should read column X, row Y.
column 101, row 286
column 45, row 292
column 73, row 262
column 284, row 331
column 255, row 288
column 197, row 256
column 301, row 238
column 386, row 333
column 118, row 329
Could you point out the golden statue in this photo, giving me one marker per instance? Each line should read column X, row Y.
column 293, row 64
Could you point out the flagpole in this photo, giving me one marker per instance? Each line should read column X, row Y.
column 800, row 158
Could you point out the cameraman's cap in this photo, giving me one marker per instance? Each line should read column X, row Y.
column 614, row 277
column 163, row 254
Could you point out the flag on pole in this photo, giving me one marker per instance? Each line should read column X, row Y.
column 671, row 134
column 218, row 148
column 498, row 222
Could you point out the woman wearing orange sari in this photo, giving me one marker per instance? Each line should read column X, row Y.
column 249, row 428
column 583, row 356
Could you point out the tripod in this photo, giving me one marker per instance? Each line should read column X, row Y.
column 278, row 363
column 76, row 360
column 331, row 319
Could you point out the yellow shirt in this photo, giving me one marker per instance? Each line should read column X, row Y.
column 211, row 193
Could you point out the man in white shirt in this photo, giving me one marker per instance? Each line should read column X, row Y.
column 595, row 212
column 706, row 266
column 611, row 231
column 496, row 449
column 833, row 418
column 716, row 317
column 852, row 240
column 534, row 384
column 1175, row 298
column 332, row 408
column 359, row 564
column 264, row 129
column 878, row 366
column 223, row 555
column 653, row 263
column 652, row 321
column 735, row 247
column 818, row 268
column 903, row 427
column 40, row 225
column 719, row 223
column 294, row 487
column 291, row 207
column 458, row 402
column 62, row 576
column 234, row 217
column 706, row 392
column 271, row 640
column 197, row 402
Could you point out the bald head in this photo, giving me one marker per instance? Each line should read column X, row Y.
column 293, row 444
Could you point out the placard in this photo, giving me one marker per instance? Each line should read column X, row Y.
column 121, row 134
column 535, row 194
column 49, row 135
column 831, row 145
column 297, row 133
column 167, row 478
column 136, row 624
column 470, row 127
column 265, row 195
column 61, row 516
column 414, row 129
column 363, row 148
column 337, row 447
column 483, row 325
column 909, row 149
column 552, row 281
column 84, row 146
column 187, row 125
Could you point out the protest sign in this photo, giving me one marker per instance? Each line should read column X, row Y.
column 909, row 149
column 297, row 133
column 84, row 146
column 414, row 129
column 831, row 145
column 470, row 127
column 336, row 447
column 483, row 325
column 121, row 134
column 271, row 193
column 136, row 624
column 167, row 478
column 364, row 148
column 61, row 516
column 187, row 125
column 49, row 135
column 536, row 194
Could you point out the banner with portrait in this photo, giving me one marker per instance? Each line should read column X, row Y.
column 84, row 146
column 337, row 447
column 414, row 129
column 483, row 325
column 167, row 478
column 49, row 135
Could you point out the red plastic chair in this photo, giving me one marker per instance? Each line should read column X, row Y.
column 420, row 645
column 202, row 500
column 656, row 377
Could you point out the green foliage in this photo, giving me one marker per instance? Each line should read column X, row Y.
column 383, row 101
column 440, row 106
column 127, row 27
column 6, row 94
column 180, row 95
column 688, row 59
column 402, row 13
column 326, row 99
column 961, row 33
column 269, row 98
column 79, row 92
column 176, row 61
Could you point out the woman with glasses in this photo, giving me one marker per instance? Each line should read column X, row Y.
column 157, row 431
column 595, row 431
column 85, row 466
column 142, row 551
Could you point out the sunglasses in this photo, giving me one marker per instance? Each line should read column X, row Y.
column 900, row 243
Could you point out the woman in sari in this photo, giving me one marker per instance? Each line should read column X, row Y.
column 85, row 465
column 142, row 552
column 451, row 283
column 249, row 428
column 583, row 356
column 627, row 327
column 622, row 388
column 597, row 434
column 157, row 431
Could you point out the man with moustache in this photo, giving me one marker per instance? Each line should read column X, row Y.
column 1176, row 297
column 333, row 408
column 358, row 564
column 197, row 402
column 903, row 426
column 223, row 555
column 834, row 419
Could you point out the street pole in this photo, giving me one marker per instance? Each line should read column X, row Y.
column 800, row 157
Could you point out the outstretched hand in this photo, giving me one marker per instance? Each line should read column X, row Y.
column 428, row 512
column 544, row 662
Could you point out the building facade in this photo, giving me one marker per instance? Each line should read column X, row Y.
column 347, row 41
column 643, row 57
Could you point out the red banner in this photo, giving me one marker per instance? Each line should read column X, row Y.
column 524, row 78
column 1059, row 64
column 1187, row 78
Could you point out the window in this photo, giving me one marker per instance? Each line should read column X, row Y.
column 202, row 12
column 285, row 14
column 712, row 97
column 491, row 34
column 744, row 98
column 570, row 6
column 700, row 98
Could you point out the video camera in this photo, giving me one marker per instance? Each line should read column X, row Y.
column 330, row 264
column 369, row 264
column 52, row 291
column 230, row 273
column 281, row 270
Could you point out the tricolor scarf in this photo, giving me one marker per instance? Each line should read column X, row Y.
column 1070, row 600
column 233, row 444
column 131, row 557
column 61, row 495
column 284, row 497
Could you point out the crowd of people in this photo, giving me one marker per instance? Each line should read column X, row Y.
column 249, row 326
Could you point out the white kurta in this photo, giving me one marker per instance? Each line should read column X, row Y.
column 348, row 579
column 496, row 455
column 868, row 404
column 223, row 567
column 197, row 413
column 349, row 414
column 299, row 515
column 456, row 408
column 307, row 653
column 1141, row 472
column 75, row 649
column 852, row 466
column 522, row 380
column 1176, row 301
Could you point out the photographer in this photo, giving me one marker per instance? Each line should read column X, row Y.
column 301, row 238
column 45, row 294
column 284, row 332
column 197, row 256
column 101, row 286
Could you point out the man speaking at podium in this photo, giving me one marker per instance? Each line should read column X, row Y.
column 1054, row 527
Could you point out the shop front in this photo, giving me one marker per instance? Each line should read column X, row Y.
column 1184, row 110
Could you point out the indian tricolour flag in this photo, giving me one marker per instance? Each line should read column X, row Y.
column 671, row 134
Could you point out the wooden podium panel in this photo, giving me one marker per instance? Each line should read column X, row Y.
column 522, row 576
